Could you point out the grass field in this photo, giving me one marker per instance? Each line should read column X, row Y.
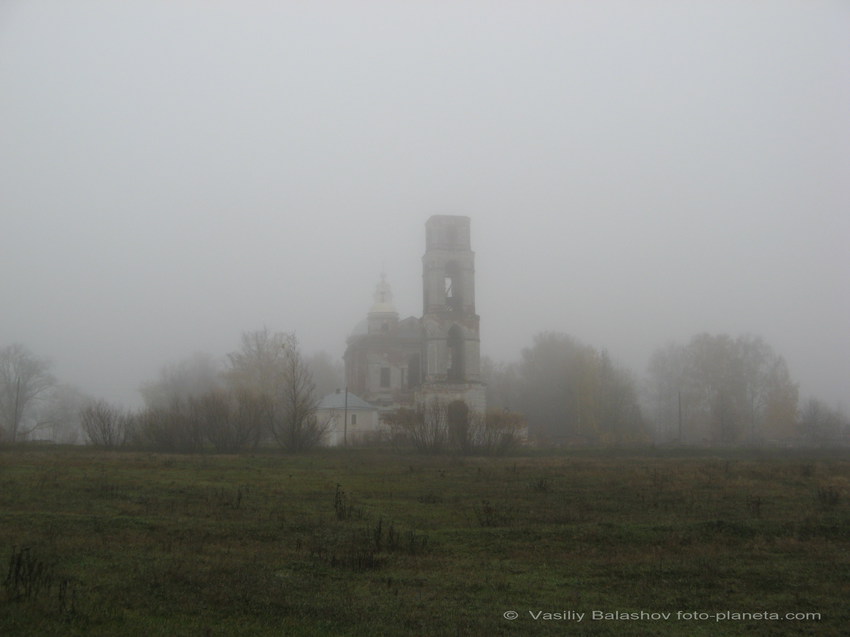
column 374, row 543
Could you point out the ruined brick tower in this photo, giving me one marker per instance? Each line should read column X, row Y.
column 451, row 350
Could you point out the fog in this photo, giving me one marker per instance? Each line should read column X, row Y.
column 175, row 173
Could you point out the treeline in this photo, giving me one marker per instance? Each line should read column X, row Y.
column 721, row 389
column 715, row 389
column 265, row 393
column 569, row 392
column 32, row 402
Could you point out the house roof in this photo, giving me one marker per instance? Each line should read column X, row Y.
column 337, row 400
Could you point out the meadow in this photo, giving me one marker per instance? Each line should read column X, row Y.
column 371, row 542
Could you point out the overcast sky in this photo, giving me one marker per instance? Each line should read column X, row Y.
column 173, row 173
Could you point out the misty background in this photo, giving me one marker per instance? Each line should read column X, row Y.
column 175, row 173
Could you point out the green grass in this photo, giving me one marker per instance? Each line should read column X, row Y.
column 375, row 543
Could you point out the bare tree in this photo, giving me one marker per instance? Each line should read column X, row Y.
column 495, row 432
column 270, row 367
column 251, row 412
column 426, row 428
column 295, row 425
column 230, row 421
column 60, row 413
column 25, row 380
column 179, row 382
column 169, row 429
column 258, row 366
column 498, row 431
column 437, row 426
column 104, row 425
column 821, row 424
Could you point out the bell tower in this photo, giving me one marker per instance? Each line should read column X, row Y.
column 448, row 269
column 451, row 346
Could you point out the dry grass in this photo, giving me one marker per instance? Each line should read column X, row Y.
column 373, row 543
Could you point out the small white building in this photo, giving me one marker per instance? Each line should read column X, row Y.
column 350, row 419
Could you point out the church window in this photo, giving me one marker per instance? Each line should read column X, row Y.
column 452, row 277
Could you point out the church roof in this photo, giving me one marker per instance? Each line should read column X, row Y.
column 410, row 327
column 336, row 400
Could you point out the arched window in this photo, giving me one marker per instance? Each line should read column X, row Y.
column 452, row 283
